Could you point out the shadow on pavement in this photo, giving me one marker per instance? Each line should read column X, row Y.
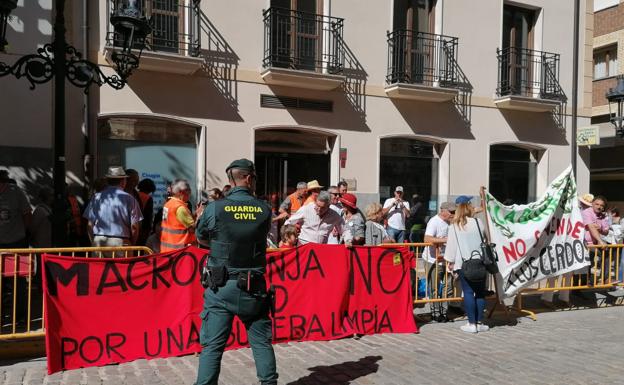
column 340, row 374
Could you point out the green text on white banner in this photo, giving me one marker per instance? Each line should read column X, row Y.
column 541, row 239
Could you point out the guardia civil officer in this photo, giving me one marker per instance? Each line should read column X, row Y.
column 236, row 229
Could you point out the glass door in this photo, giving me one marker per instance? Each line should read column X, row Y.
column 517, row 43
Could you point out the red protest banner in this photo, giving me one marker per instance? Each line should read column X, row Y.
column 101, row 311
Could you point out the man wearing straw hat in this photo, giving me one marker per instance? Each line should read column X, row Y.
column 314, row 189
column 113, row 214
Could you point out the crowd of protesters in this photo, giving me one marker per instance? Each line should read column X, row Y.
column 121, row 211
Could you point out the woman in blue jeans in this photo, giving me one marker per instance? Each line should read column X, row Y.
column 464, row 239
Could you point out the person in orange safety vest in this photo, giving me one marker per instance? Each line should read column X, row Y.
column 293, row 202
column 178, row 223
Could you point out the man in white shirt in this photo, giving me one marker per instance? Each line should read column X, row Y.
column 396, row 211
column 436, row 232
column 318, row 220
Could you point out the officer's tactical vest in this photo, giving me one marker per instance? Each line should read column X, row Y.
column 239, row 236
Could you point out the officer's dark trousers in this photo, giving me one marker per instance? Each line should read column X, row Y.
column 219, row 311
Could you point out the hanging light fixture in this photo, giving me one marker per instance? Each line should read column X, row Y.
column 615, row 96
column 131, row 29
column 6, row 6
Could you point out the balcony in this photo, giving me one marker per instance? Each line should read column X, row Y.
column 303, row 50
column 174, row 44
column 423, row 67
column 528, row 80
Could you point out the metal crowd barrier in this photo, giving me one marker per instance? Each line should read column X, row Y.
column 431, row 282
column 604, row 273
column 21, row 291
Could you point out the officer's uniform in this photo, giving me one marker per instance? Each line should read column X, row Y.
column 237, row 228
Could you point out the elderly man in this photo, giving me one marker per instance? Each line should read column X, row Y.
column 113, row 214
column 437, row 230
column 318, row 221
column 436, row 233
column 178, row 223
column 293, row 202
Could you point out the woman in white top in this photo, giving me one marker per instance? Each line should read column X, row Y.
column 463, row 241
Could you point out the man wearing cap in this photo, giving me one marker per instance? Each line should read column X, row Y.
column 396, row 211
column 293, row 202
column 353, row 218
column 436, row 233
column 314, row 188
column 113, row 215
column 318, row 221
column 236, row 229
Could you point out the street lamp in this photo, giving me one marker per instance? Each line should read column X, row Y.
column 60, row 60
column 6, row 6
column 615, row 96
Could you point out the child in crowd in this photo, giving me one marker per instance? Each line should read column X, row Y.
column 289, row 237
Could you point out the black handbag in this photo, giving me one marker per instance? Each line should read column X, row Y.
column 488, row 253
column 473, row 268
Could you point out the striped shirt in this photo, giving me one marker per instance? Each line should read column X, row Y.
column 316, row 229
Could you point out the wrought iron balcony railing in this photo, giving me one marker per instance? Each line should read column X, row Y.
column 429, row 60
column 422, row 58
column 175, row 26
column 534, row 74
column 530, row 73
column 303, row 41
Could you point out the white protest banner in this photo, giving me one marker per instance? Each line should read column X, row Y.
column 541, row 239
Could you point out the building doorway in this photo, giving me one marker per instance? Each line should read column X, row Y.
column 412, row 164
column 284, row 157
column 513, row 172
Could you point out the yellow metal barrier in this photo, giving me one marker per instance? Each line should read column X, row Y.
column 605, row 272
column 439, row 284
column 21, row 292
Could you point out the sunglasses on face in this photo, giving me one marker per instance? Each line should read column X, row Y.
column 336, row 194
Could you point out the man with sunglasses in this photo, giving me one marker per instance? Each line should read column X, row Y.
column 436, row 233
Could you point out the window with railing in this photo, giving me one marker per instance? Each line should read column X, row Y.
column 421, row 58
column 526, row 72
column 175, row 26
column 303, row 41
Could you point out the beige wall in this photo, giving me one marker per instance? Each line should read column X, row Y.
column 229, row 130
column 26, row 116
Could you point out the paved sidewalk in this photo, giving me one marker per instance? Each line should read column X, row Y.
column 565, row 347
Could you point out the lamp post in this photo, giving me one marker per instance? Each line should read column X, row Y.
column 59, row 60
column 615, row 96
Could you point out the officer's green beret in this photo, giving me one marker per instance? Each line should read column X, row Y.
column 241, row 164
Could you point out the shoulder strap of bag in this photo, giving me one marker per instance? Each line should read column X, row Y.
column 480, row 233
